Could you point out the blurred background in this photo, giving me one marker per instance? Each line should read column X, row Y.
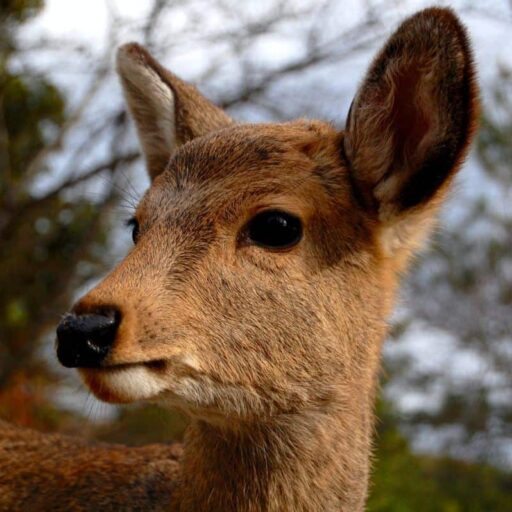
column 71, row 173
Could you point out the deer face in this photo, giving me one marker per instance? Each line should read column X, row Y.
column 266, row 256
column 243, row 293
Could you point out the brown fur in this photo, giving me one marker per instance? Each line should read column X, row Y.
column 274, row 355
column 42, row 472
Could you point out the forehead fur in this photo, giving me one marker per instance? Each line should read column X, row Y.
column 250, row 149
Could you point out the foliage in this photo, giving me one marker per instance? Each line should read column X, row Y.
column 131, row 426
column 404, row 482
column 43, row 238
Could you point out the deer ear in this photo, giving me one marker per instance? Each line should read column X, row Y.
column 412, row 121
column 167, row 111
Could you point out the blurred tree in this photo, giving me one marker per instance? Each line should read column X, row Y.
column 43, row 237
column 463, row 288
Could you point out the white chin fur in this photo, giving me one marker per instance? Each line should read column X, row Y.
column 133, row 383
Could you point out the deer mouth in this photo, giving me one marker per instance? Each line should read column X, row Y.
column 153, row 364
column 127, row 382
column 138, row 380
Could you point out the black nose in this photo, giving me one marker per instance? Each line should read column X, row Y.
column 83, row 341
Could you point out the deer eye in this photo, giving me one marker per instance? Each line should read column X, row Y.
column 274, row 229
column 134, row 224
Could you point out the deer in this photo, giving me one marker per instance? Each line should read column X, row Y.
column 256, row 297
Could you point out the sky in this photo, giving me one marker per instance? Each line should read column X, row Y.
column 88, row 20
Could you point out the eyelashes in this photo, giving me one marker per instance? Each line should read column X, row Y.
column 133, row 223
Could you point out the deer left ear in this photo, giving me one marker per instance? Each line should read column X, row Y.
column 412, row 121
column 167, row 111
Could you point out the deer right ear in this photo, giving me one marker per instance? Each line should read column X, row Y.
column 167, row 111
column 411, row 123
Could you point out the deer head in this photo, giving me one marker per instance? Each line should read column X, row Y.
column 267, row 256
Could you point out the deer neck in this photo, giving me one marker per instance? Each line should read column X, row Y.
column 310, row 462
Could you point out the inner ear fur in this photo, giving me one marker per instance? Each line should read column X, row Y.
column 413, row 117
column 167, row 111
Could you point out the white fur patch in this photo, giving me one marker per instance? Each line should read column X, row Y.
column 151, row 102
column 409, row 232
column 133, row 383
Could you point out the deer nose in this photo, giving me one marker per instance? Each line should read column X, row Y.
column 83, row 341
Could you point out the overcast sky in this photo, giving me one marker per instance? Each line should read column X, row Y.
column 87, row 20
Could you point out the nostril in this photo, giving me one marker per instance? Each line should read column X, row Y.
column 84, row 340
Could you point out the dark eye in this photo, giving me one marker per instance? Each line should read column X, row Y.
column 275, row 229
column 134, row 224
